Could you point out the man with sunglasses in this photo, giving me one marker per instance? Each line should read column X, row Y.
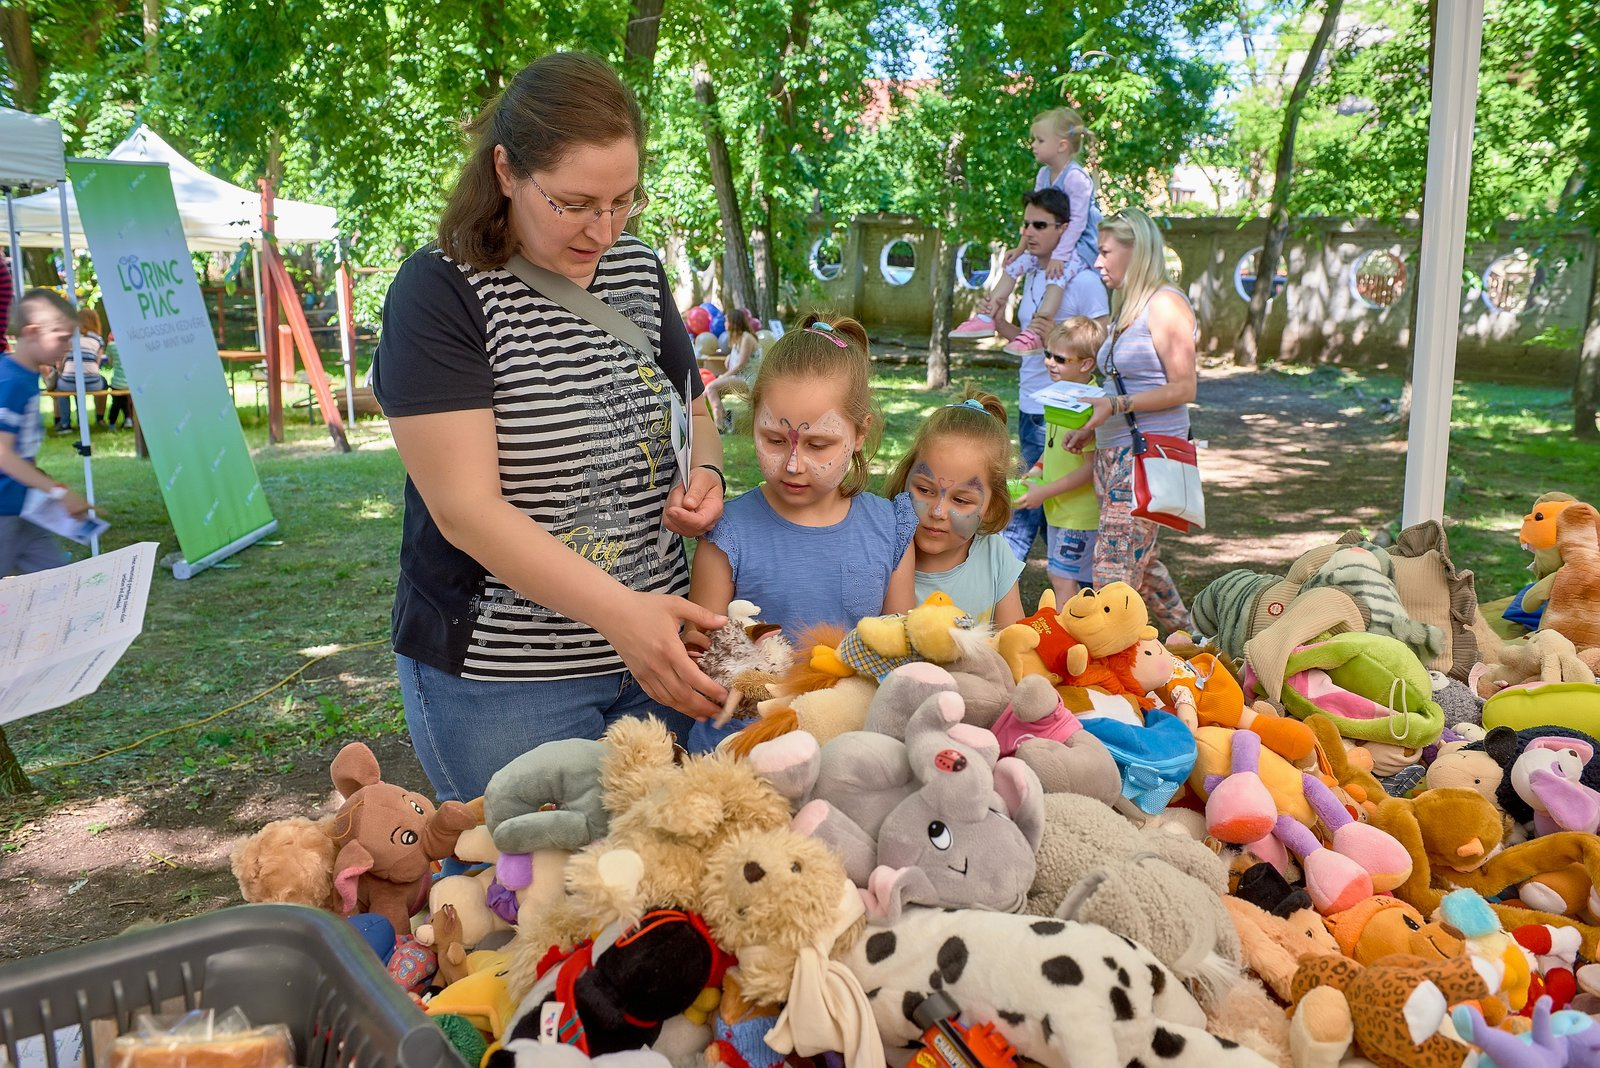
column 1044, row 214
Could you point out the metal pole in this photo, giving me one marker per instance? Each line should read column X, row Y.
column 1456, row 51
column 347, row 333
column 17, row 284
column 77, row 361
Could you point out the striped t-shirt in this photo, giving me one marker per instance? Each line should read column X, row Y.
column 584, row 430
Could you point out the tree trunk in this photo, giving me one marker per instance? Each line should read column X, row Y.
column 13, row 780
column 944, row 270
column 16, row 41
column 764, row 262
column 639, row 46
column 152, row 38
column 764, row 255
column 737, row 289
column 1586, row 385
column 1246, row 350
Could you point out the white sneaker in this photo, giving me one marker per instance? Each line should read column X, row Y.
column 979, row 326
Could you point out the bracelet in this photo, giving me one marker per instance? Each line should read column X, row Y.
column 57, row 492
column 714, row 469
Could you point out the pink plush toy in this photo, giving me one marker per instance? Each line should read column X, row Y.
column 1359, row 860
column 1546, row 775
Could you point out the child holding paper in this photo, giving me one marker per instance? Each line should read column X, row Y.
column 1066, row 489
column 44, row 337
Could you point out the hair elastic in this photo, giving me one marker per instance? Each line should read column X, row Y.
column 824, row 330
column 970, row 403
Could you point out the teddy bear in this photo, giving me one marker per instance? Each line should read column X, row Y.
column 289, row 861
column 782, row 904
column 1542, row 656
column 1574, row 606
column 670, row 815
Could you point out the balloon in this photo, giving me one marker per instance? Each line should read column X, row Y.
column 711, row 309
column 722, row 340
column 766, row 337
column 698, row 321
column 718, row 323
column 707, row 375
column 705, row 344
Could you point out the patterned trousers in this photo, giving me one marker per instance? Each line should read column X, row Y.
column 1126, row 550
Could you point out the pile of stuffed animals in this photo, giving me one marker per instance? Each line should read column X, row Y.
column 1347, row 822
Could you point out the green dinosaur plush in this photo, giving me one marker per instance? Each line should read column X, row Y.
column 1371, row 685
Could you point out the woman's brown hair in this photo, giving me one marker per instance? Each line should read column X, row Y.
column 836, row 350
column 555, row 102
column 980, row 419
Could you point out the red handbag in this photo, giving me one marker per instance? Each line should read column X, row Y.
column 1166, row 473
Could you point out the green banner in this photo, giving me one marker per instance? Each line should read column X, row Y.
column 163, row 333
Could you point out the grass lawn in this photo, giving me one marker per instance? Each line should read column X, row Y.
column 324, row 585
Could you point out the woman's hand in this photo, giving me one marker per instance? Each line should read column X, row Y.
column 693, row 512
column 645, row 632
column 1076, row 440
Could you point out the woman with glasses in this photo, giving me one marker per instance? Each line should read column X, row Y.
column 1151, row 347
column 541, row 565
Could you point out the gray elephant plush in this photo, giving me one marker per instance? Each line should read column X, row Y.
column 937, row 819
column 547, row 798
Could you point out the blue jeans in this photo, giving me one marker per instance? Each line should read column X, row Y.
column 1027, row 524
column 465, row 730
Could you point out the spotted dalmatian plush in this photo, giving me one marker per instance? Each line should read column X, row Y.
column 1067, row 995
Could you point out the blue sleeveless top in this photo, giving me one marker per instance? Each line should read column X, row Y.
column 1141, row 369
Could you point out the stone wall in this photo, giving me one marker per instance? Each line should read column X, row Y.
column 1317, row 315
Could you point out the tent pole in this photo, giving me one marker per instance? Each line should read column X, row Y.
column 17, row 284
column 1457, row 50
column 347, row 334
column 255, row 274
column 77, row 361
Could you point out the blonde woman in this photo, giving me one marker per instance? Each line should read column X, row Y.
column 1151, row 346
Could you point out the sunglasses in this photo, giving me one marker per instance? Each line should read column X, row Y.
column 1039, row 224
column 1061, row 357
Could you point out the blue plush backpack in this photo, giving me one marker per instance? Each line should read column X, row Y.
column 1154, row 759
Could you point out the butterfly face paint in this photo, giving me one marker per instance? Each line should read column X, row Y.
column 945, row 503
column 805, row 454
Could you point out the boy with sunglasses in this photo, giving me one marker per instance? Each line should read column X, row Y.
column 1044, row 213
column 1066, row 487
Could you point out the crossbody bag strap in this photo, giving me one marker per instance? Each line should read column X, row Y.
column 1116, row 380
column 580, row 302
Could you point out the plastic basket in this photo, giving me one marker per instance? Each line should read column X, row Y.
column 1064, row 418
column 287, row 964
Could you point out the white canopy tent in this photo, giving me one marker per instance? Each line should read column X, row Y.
column 40, row 164
column 217, row 216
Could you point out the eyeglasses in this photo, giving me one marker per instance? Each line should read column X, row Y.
column 1027, row 224
column 630, row 210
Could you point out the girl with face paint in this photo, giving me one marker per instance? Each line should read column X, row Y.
column 808, row 546
column 955, row 474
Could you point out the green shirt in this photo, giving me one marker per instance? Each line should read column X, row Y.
column 1076, row 509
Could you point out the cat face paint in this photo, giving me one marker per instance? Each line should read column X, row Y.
column 944, row 501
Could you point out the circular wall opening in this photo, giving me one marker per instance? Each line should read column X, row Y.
column 1510, row 281
column 1244, row 275
column 898, row 262
column 1378, row 278
column 826, row 259
column 972, row 265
